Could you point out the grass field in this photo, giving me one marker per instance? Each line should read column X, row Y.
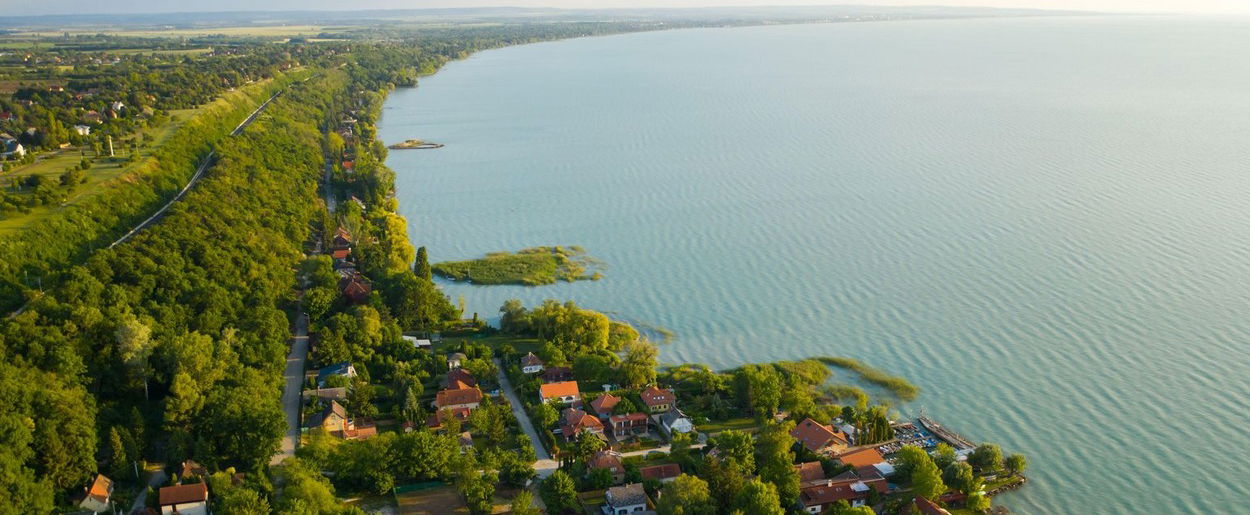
column 531, row 267
column 103, row 173
column 434, row 501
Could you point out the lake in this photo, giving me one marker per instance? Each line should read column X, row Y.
column 1044, row 223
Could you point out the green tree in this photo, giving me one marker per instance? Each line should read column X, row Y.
column 679, row 450
column 926, row 479
column 1015, row 464
column 686, row 495
column 776, row 459
column 479, row 491
column 119, row 465
column 545, row 414
column 986, row 458
column 959, row 477
column 977, row 502
column 523, row 503
column 638, row 365
column 422, row 265
column 759, row 497
column 736, row 446
column 559, row 493
column 134, row 345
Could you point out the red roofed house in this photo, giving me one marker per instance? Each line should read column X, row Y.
column 340, row 253
column 96, row 499
column 810, row 472
column 815, row 498
column 657, row 400
column 865, row 457
column 356, row 288
column 565, row 392
column 463, row 398
column 610, row 460
column 342, row 239
column 576, row 421
column 628, row 424
column 926, row 507
column 666, row 473
column 191, row 499
column 436, row 420
column 459, row 379
column 604, row 404
column 819, row 438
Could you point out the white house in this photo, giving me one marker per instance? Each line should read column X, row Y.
column 624, row 500
column 418, row 343
column 674, row 421
column 531, row 364
column 82, row 130
column 191, row 499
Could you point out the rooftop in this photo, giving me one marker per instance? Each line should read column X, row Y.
column 183, row 494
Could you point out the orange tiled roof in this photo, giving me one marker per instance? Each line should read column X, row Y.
column 557, row 390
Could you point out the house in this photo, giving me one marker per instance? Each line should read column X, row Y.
column 459, row 379
column 418, row 343
column 440, row 416
column 564, row 392
column 557, row 374
column 189, row 499
column 463, row 398
column 530, row 364
column 92, row 117
column 665, row 473
column 575, row 422
column 82, row 130
column 362, row 431
column 117, row 106
column 191, row 469
column 344, row 369
column 342, row 239
column 466, row 441
column 327, row 394
column 611, row 461
column 926, row 507
column 7, row 116
column 455, row 360
column 340, row 254
column 604, row 404
column 628, row 424
column 623, row 500
column 816, row 498
column 819, row 438
column 356, row 288
column 96, row 497
column 333, row 419
column 810, row 473
column 865, row 457
column 674, row 421
column 657, row 400
column 10, row 147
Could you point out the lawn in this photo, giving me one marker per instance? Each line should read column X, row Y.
column 738, row 424
column 433, row 501
column 494, row 341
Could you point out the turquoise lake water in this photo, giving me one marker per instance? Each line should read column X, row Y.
column 1044, row 223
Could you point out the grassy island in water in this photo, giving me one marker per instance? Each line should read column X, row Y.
column 531, row 267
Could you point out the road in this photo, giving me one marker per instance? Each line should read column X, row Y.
column 293, row 389
column 545, row 466
column 155, row 480
column 199, row 173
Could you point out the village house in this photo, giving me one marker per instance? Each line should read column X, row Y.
column 10, row 147
column 82, row 130
column 819, row 438
column 418, row 343
column 342, row 239
column 623, row 500
column 459, row 379
column 575, row 422
column 190, row 499
column 657, row 400
column 629, row 424
column 333, row 420
column 611, row 461
column 564, row 392
column 604, row 404
column 455, row 360
column 666, row 473
column 356, row 288
column 557, row 374
column 191, row 469
column 866, row 457
column 810, row 473
column 343, row 369
column 96, row 497
column 927, row 507
column 436, row 420
column 530, row 364
column 462, row 398
column 674, row 421
column 327, row 394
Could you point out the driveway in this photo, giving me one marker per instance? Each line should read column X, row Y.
column 545, row 466
column 294, row 388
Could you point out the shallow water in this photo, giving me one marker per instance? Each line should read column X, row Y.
column 1041, row 222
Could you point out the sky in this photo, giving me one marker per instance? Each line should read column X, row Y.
column 147, row 6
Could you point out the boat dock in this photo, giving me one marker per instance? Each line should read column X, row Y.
column 951, row 437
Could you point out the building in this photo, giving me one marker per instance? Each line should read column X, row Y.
column 189, row 499
column 96, row 497
column 557, row 374
column 810, row 473
column 327, row 394
column 564, row 392
column 629, row 424
column 436, row 420
column 333, row 419
column 463, row 398
column 456, row 360
column 530, row 364
column 865, row 457
column 611, row 461
column 418, row 343
column 674, row 421
column 623, row 500
column 356, row 288
column 10, row 147
column 926, row 507
column 459, row 379
column 575, row 422
column 604, row 404
column 82, row 130
column 342, row 239
column 665, row 473
column 344, row 369
column 657, row 400
column 819, row 438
